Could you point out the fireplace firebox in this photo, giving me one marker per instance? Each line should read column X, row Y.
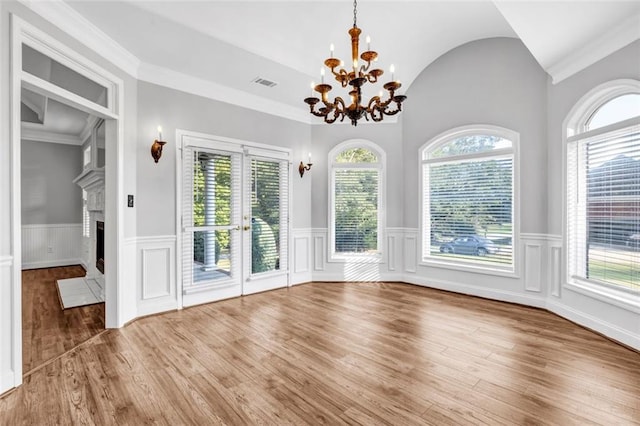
column 100, row 246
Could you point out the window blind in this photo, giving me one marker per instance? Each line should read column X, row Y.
column 469, row 207
column 604, row 208
column 356, row 210
column 269, row 192
column 210, row 198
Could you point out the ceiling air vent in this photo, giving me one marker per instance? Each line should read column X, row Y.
column 264, row 82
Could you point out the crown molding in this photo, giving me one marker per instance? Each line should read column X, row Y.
column 30, row 134
column 615, row 39
column 208, row 89
column 77, row 26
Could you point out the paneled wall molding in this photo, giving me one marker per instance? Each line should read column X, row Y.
column 156, row 289
column 301, row 255
column 542, row 237
column 49, row 245
column 533, row 265
column 6, row 261
column 541, row 283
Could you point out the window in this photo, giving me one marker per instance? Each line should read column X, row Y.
column 356, row 209
column 468, row 198
column 603, row 189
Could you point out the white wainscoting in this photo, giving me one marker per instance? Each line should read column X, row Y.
column 384, row 269
column 301, row 256
column 156, row 284
column 554, row 264
column 9, row 376
column 532, row 253
column 45, row 246
column 540, row 283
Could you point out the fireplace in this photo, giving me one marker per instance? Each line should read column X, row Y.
column 100, row 246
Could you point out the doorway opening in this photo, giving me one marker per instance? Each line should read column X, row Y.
column 46, row 77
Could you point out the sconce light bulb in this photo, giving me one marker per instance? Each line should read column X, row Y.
column 159, row 133
column 331, row 47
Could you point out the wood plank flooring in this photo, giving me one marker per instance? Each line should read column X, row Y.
column 338, row 353
column 47, row 330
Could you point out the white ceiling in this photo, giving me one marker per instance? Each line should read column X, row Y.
column 230, row 43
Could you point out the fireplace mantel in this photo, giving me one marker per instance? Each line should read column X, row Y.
column 92, row 181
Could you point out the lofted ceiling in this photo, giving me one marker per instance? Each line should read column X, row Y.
column 231, row 43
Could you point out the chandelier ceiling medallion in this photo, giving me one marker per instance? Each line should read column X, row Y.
column 376, row 108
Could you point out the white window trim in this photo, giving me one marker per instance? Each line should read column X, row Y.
column 381, row 166
column 425, row 230
column 575, row 129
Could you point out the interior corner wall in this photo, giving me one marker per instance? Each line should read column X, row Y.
column 492, row 81
column 49, row 195
column 618, row 322
column 624, row 63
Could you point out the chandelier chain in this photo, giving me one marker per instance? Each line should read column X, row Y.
column 355, row 12
column 376, row 108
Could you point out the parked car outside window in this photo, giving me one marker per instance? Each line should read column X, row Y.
column 470, row 244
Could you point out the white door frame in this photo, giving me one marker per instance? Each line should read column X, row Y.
column 25, row 33
column 220, row 142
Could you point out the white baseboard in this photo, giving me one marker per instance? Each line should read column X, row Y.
column 52, row 263
column 493, row 294
column 8, row 382
column 596, row 324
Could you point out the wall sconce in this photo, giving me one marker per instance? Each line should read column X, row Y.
column 156, row 148
column 302, row 167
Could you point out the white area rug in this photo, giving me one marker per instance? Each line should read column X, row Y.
column 76, row 292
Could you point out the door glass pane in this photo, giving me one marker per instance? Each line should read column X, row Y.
column 211, row 255
column 265, row 216
column 212, row 206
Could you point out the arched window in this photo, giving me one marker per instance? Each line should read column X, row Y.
column 468, row 208
column 603, row 188
column 356, row 200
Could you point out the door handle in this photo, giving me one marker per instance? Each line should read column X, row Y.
column 247, row 227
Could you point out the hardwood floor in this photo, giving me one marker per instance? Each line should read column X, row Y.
column 335, row 353
column 47, row 330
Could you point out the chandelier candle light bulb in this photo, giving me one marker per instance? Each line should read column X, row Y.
column 354, row 80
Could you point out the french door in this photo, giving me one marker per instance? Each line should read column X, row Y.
column 235, row 219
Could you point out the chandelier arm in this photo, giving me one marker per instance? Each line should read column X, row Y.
column 377, row 114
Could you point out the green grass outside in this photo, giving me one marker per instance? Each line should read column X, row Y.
column 618, row 273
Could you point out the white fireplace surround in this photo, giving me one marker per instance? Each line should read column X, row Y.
column 93, row 182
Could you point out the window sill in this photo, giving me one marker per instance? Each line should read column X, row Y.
column 466, row 267
column 355, row 258
column 620, row 298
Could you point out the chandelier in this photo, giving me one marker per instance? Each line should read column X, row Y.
column 376, row 108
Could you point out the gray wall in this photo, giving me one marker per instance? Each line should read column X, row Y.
column 625, row 63
column 49, row 195
column 172, row 109
column 493, row 81
column 387, row 136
